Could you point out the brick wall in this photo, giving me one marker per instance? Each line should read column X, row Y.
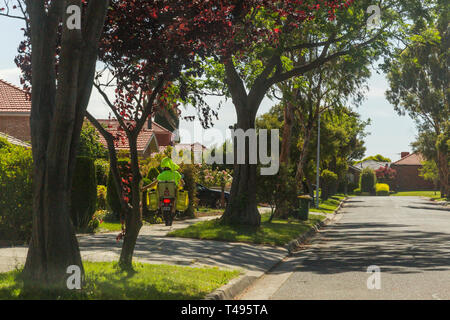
column 16, row 126
column 408, row 179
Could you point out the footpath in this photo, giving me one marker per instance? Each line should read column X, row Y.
column 153, row 246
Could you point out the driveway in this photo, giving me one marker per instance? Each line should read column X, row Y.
column 408, row 238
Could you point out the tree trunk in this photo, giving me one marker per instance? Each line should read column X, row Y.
column 57, row 107
column 133, row 220
column 303, row 155
column 287, row 132
column 242, row 206
column 443, row 174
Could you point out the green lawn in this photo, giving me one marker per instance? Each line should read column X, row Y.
column 429, row 194
column 149, row 282
column 109, row 226
column 329, row 205
column 278, row 232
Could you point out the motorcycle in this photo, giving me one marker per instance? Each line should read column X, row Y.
column 168, row 200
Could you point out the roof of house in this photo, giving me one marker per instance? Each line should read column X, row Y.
column 13, row 99
column 15, row 141
column 413, row 159
column 372, row 164
column 144, row 139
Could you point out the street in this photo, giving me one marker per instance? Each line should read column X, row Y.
column 408, row 238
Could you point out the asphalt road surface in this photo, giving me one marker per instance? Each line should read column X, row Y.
column 407, row 238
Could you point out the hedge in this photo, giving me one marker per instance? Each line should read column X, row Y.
column 329, row 183
column 382, row 189
column 367, row 180
column 101, row 171
column 112, row 199
column 16, row 205
column 84, row 193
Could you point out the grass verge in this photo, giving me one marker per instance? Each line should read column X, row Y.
column 104, row 281
column 277, row 233
column 329, row 205
column 429, row 194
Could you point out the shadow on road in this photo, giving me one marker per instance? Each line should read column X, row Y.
column 429, row 208
column 351, row 247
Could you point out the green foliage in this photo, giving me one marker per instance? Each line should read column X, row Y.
column 101, row 197
column 189, row 173
column 152, row 174
column 84, row 193
column 367, row 180
column 430, row 171
column 329, row 182
column 382, row 189
column 279, row 191
column 377, row 157
column 90, row 145
column 16, row 204
column 112, row 198
column 101, row 171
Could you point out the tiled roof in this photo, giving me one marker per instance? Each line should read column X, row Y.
column 15, row 141
column 13, row 99
column 413, row 159
column 372, row 164
column 112, row 126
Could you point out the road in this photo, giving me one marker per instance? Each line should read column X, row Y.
column 408, row 238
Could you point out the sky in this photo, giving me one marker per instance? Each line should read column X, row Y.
column 390, row 134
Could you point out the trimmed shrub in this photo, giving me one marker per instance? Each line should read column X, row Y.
column 352, row 187
column 152, row 174
column 367, row 180
column 84, row 193
column 16, row 204
column 112, row 199
column 188, row 172
column 329, row 181
column 101, row 171
column 101, row 197
column 382, row 189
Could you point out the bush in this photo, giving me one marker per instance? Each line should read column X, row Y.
column 357, row 191
column 279, row 192
column 101, row 171
column 352, row 187
column 382, row 189
column 367, row 180
column 16, row 203
column 101, row 197
column 152, row 174
column 329, row 181
column 84, row 193
column 189, row 173
column 112, row 199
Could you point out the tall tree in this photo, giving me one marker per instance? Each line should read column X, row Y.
column 145, row 56
column 61, row 86
column 418, row 77
column 266, row 32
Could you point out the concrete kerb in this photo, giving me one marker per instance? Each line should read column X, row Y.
column 239, row 284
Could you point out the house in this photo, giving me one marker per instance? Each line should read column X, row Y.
column 15, row 110
column 196, row 150
column 150, row 139
column 407, row 168
column 15, row 141
column 353, row 174
column 372, row 164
